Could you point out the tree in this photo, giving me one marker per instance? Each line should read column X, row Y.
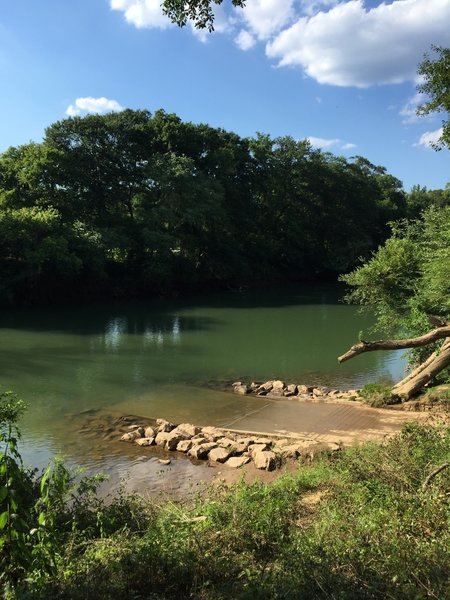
column 436, row 85
column 200, row 12
column 407, row 282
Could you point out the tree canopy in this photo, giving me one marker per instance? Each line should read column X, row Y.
column 435, row 71
column 134, row 203
column 199, row 12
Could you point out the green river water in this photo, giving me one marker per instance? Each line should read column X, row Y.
column 171, row 359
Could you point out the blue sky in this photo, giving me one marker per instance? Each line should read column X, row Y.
column 342, row 73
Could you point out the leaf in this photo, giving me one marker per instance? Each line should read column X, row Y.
column 41, row 518
column 3, row 520
column 3, row 492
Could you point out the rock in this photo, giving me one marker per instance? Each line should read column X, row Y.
column 212, row 433
column 236, row 383
column 237, row 461
column 220, row 454
column 161, row 438
column 304, row 389
column 278, row 384
column 132, row 427
column 282, row 442
column 184, row 445
column 254, row 386
column 292, row 388
column 267, row 386
column 318, row 392
column 131, row 436
column 276, row 393
column 187, row 429
column 164, row 461
column 263, row 440
column 199, row 439
column 145, row 441
column 241, row 389
column 265, row 459
column 261, row 392
column 149, row 432
column 288, row 394
column 227, row 442
column 164, row 426
column 291, row 451
column 173, row 439
column 253, row 448
column 240, row 447
column 201, row 450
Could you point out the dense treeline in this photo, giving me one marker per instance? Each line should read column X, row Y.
column 133, row 203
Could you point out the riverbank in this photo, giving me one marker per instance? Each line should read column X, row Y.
column 315, row 424
column 368, row 522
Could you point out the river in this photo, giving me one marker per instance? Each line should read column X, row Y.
column 171, row 359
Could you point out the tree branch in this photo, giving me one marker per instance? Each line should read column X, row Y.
column 433, row 475
column 423, row 340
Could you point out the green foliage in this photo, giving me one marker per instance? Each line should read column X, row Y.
column 366, row 523
column 200, row 12
column 133, row 203
column 435, row 71
column 408, row 278
column 377, row 394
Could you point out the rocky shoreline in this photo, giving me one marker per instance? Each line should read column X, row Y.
column 231, row 448
column 275, row 388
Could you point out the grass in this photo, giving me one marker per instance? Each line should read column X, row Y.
column 354, row 525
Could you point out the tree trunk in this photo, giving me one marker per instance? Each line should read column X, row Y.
column 425, row 372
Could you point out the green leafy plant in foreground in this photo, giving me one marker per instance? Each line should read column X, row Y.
column 377, row 394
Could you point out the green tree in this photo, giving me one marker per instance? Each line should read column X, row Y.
column 407, row 282
column 435, row 71
column 200, row 12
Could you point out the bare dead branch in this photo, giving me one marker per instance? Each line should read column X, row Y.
column 423, row 340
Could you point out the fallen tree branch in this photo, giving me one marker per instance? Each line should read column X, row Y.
column 423, row 340
column 420, row 368
column 432, row 475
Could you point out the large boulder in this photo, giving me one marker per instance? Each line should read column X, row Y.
column 241, row 389
column 187, row 429
column 220, row 454
column 150, row 432
column 201, row 451
column 184, row 445
column 265, row 459
column 164, row 426
column 161, row 438
column 174, row 438
column 145, row 441
column 212, row 433
column 131, row 436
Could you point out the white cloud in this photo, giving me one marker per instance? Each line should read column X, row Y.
column 266, row 17
column 351, row 45
column 430, row 138
column 93, row 105
column 142, row 13
column 322, row 143
column 244, row 40
column 408, row 111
